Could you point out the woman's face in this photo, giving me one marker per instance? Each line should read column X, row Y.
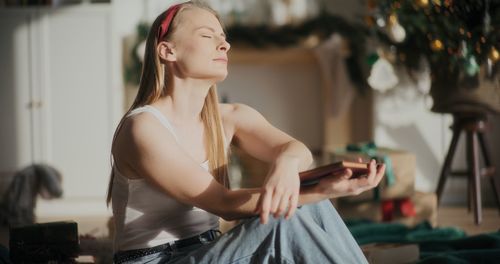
column 200, row 46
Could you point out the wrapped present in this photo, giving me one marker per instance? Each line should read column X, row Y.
column 418, row 208
column 399, row 181
column 381, row 253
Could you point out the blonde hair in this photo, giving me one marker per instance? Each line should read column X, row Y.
column 152, row 86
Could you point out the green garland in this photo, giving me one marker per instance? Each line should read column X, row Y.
column 286, row 36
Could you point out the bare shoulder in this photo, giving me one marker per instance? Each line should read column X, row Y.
column 227, row 110
column 238, row 113
column 138, row 134
column 137, row 128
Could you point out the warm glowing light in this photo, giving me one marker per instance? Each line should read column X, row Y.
column 393, row 19
column 423, row 3
column 494, row 55
column 437, row 45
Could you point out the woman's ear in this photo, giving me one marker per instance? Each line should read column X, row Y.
column 166, row 51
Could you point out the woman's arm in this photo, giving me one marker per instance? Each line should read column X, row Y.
column 242, row 203
column 145, row 147
column 257, row 137
column 286, row 155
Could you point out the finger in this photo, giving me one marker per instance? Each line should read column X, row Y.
column 294, row 200
column 360, row 159
column 265, row 206
column 380, row 174
column 373, row 165
column 347, row 174
column 276, row 200
column 381, row 168
column 263, row 218
column 376, row 170
column 367, row 179
column 376, row 178
column 373, row 171
column 258, row 207
column 282, row 206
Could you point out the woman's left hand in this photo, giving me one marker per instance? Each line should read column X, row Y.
column 341, row 184
column 280, row 192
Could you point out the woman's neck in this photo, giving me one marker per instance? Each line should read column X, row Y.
column 184, row 100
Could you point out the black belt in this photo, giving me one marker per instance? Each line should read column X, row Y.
column 203, row 238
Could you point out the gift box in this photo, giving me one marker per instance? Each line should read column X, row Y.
column 382, row 253
column 424, row 205
column 399, row 181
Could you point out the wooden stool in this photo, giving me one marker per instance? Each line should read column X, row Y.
column 474, row 124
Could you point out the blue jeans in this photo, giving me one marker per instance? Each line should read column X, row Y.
column 315, row 234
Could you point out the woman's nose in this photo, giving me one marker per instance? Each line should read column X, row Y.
column 224, row 46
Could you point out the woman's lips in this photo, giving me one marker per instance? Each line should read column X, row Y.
column 224, row 60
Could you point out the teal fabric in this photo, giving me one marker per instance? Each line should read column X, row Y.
column 366, row 232
column 437, row 245
column 389, row 172
column 484, row 248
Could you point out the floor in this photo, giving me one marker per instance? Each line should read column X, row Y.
column 459, row 217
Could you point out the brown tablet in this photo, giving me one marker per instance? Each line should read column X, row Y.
column 312, row 176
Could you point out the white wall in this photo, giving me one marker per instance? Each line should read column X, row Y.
column 66, row 77
column 403, row 121
column 289, row 96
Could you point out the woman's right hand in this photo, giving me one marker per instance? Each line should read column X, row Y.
column 341, row 184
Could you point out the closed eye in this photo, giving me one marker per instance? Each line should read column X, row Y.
column 206, row 36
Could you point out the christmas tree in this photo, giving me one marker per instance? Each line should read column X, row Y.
column 459, row 40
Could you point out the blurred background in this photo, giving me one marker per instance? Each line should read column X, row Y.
column 362, row 77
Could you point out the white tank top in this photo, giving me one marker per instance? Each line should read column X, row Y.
column 145, row 216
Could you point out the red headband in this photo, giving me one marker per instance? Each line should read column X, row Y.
column 165, row 24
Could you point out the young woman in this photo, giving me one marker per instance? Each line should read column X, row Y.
column 169, row 182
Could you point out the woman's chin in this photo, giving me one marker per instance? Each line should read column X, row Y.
column 220, row 76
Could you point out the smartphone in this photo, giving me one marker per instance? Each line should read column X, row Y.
column 310, row 177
